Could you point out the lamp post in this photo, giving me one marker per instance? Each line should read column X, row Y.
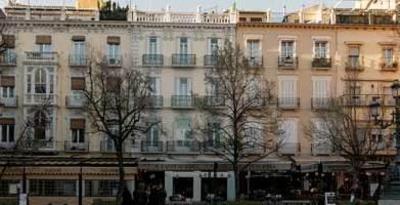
column 375, row 113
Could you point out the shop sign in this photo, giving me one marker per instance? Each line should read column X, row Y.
column 330, row 198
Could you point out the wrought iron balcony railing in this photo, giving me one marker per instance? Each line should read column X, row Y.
column 320, row 63
column 78, row 60
column 9, row 102
column 354, row 63
column 288, row 102
column 287, row 62
column 152, row 146
column 183, row 60
column 76, row 146
column 182, row 101
column 8, row 59
column 114, row 60
column 153, row 60
column 210, row 60
column 41, row 57
column 183, row 146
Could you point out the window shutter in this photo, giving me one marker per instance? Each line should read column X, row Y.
column 42, row 39
column 113, row 40
column 209, row 49
column 9, row 41
column 77, row 83
column 7, row 81
column 77, row 123
column 189, row 88
column 7, row 121
column 78, row 38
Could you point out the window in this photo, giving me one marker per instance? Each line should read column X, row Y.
column 321, row 49
column 253, row 137
column 287, row 49
column 44, row 48
column 7, row 92
column 113, row 51
column 183, row 86
column 215, row 134
column 153, row 45
column 321, row 142
column 78, row 135
column 388, row 56
column 101, row 188
column 40, row 81
column 7, row 186
column 79, row 52
column 213, row 46
column 288, row 91
column 155, row 86
column 254, row 51
column 354, row 57
column 183, row 129
column 288, row 135
column 7, row 132
column 183, row 45
column 45, row 187
column 153, row 135
column 40, row 125
column 321, row 90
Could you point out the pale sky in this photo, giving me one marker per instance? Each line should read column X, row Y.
column 191, row 5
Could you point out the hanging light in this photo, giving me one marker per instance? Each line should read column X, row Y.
column 395, row 88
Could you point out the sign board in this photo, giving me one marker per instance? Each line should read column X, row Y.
column 23, row 199
column 330, row 198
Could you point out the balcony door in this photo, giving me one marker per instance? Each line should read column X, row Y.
column 287, row 50
column 155, row 86
column 153, row 136
column 321, row 90
column 79, row 52
column 288, row 91
column 183, row 87
column 183, row 131
column 288, row 136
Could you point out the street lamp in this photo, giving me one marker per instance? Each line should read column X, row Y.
column 375, row 113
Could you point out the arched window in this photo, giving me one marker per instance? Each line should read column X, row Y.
column 40, row 81
column 40, row 123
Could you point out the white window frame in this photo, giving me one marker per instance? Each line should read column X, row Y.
column 8, row 136
column 284, row 49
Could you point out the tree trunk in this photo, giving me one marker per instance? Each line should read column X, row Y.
column 121, row 172
column 237, row 182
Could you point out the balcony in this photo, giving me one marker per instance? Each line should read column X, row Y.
column 289, row 103
column 40, row 99
column 388, row 66
column 153, row 60
column 75, row 101
column 76, row 147
column 41, row 58
column 183, row 60
column 255, row 61
column 321, row 103
column 183, row 146
column 213, row 101
column 8, row 59
column 354, row 63
column 41, row 144
column 287, row 62
column 182, row 101
column 156, row 101
column 114, row 61
column 152, row 146
column 78, row 61
column 212, row 147
column 321, row 63
column 289, row 148
column 321, row 148
column 7, row 146
column 210, row 60
column 9, row 102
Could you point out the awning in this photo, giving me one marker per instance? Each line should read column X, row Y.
column 329, row 163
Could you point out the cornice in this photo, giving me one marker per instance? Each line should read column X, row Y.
column 320, row 26
column 113, row 24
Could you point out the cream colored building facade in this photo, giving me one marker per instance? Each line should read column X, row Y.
column 49, row 50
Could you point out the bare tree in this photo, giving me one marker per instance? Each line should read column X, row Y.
column 347, row 128
column 241, row 109
column 116, row 102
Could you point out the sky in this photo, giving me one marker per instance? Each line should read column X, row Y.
column 191, row 5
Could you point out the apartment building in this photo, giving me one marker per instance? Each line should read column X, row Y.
column 46, row 59
column 310, row 55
